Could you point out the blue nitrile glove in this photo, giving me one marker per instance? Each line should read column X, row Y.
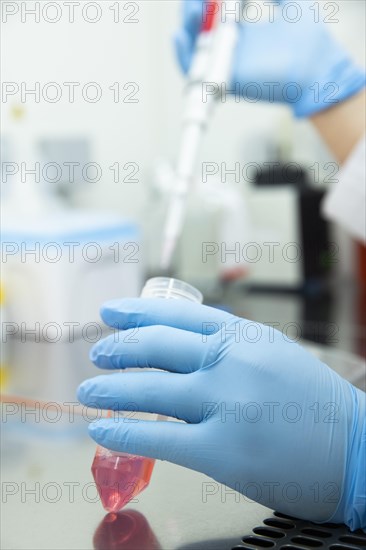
column 262, row 415
column 287, row 57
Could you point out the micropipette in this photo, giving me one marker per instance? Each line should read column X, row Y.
column 211, row 66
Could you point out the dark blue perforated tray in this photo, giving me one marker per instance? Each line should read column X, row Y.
column 281, row 532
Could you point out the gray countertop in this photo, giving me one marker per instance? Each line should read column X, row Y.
column 49, row 502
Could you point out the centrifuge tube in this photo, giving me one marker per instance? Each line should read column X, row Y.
column 120, row 477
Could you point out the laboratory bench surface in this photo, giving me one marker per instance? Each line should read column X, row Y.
column 56, row 506
column 49, row 500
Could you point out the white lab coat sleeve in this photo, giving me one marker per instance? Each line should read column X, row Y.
column 345, row 203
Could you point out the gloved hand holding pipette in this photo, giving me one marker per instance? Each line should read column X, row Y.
column 289, row 56
column 263, row 416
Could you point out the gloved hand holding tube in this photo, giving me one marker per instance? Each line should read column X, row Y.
column 262, row 415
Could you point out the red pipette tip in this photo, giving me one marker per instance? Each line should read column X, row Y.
column 210, row 10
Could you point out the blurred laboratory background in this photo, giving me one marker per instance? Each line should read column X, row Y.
column 91, row 115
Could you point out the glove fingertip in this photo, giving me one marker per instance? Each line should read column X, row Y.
column 97, row 430
column 94, row 354
column 93, row 430
column 82, row 392
column 113, row 312
column 108, row 311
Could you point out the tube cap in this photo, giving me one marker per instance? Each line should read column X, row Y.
column 165, row 287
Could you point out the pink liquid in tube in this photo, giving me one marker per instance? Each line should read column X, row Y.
column 120, row 477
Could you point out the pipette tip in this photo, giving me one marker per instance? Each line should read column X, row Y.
column 166, row 257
